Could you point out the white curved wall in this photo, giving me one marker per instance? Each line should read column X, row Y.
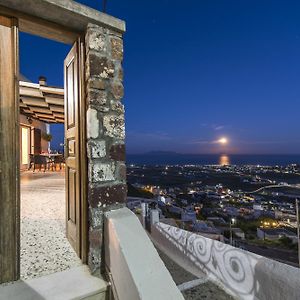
column 243, row 274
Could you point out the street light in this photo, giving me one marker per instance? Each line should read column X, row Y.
column 232, row 222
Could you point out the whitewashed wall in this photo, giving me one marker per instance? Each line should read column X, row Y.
column 136, row 269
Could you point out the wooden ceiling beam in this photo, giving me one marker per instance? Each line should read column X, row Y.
column 52, row 90
column 56, row 108
column 58, row 115
column 55, row 101
column 42, row 110
column 45, row 116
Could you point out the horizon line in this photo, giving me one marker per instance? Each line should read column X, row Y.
column 186, row 153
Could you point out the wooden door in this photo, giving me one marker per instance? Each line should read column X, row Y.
column 9, row 152
column 72, row 146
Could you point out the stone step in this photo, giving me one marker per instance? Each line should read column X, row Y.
column 76, row 283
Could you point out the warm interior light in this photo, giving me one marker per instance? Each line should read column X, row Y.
column 25, row 145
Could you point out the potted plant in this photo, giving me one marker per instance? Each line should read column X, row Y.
column 47, row 137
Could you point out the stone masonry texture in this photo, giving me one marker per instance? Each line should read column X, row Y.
column 107, row 187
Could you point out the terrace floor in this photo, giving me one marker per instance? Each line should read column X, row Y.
column 44, row 246
column 193, row 288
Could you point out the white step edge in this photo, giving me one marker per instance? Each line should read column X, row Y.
column 72, row 284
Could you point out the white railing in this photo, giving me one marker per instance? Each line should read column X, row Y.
column 243, row 274
column 135, row 268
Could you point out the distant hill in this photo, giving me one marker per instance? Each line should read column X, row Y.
column 161, row 153
column 155, row 157
column 134, row 192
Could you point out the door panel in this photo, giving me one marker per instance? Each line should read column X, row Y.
column 9, row 152
column 72, row 142
column 72, row 195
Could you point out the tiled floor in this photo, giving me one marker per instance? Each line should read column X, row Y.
column 44, row 246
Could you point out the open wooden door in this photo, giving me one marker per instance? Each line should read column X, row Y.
column 72, row 148
column 9, row 152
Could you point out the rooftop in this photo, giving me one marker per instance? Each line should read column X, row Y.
column 277, row 231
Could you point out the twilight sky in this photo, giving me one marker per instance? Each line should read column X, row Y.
column 196, row 71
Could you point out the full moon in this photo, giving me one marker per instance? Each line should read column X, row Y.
column 223, row 140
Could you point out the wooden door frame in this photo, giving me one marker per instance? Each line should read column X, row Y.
column 9, row 152
column 83, row 152
column 45, row 29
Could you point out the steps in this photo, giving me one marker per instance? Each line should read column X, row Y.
column 76, row 283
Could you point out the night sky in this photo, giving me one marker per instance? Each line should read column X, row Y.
column 197, row 71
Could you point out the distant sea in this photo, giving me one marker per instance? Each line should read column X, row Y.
column 171, row 158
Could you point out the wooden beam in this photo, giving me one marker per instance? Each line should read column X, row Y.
column 40, row 27
column 55, row 101
column 26, row 111
column 9, row 153
column 52, row 90
column 61, row 20
column 44, row 102
column 45, row 116
column 58, row 115
column 37, row 109
column 5, row 21
column 56, row 108
column 30, row 91
column 33, row 101
column 23, row 104
column 28, row 84
column 47, row 120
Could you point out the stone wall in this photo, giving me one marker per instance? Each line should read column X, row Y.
column 105, row 133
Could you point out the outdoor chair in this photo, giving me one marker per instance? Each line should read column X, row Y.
column 57, row 160
column 41, row 160
column 31, row 161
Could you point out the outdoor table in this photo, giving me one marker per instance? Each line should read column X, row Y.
column 52, row 157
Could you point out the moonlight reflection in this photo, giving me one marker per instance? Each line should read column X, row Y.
column 224, row 160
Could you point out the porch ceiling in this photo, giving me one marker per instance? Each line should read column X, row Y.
column 44, row 103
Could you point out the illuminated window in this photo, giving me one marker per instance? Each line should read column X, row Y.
column 25, row 145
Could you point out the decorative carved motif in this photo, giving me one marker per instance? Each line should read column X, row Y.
column 234, row 267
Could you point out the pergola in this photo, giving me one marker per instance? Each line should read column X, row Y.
column 42, row 102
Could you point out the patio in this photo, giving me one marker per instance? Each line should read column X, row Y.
column 44, row 246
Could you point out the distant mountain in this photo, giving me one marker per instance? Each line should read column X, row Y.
column 160, row 153
column 155, row 157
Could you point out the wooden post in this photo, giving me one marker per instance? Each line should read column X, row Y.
column 9, row 152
